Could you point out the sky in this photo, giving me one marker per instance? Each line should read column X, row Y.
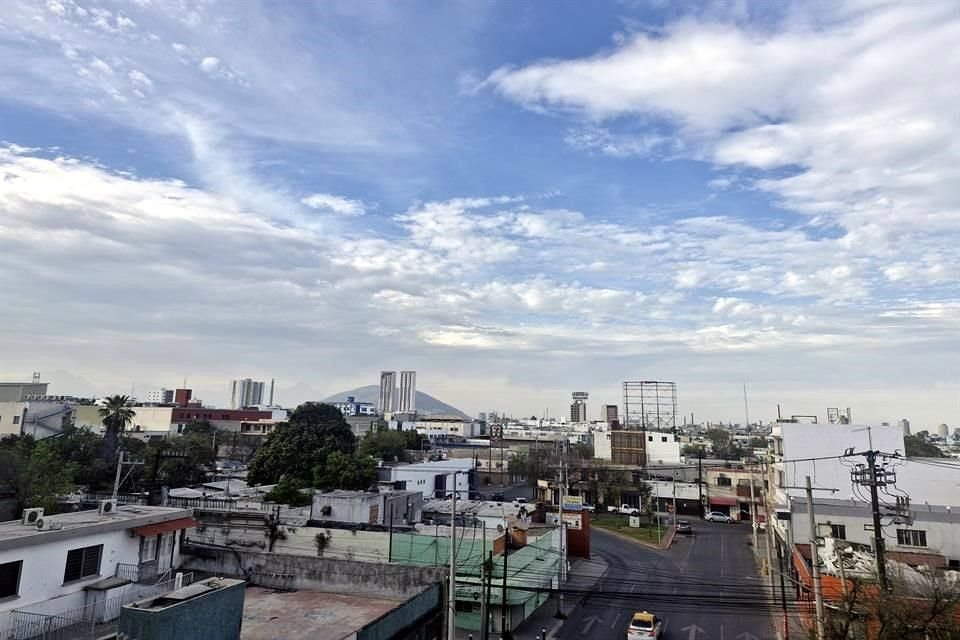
column 517, row 200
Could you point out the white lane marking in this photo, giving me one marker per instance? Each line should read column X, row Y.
column 613, row 625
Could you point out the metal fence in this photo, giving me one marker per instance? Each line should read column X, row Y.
column 86, row 622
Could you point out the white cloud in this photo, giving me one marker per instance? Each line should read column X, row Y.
column 336, row 204
column 210, row 64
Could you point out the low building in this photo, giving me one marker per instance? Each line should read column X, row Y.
column 37, row 418
column 432, row 479
column 145, row 419
column 727, row 490
column 365, row 507
column 54, row 564
column 351, row 407
column 495, row 516
column 628, row 447
column 20, row 391
column 439, row 428
column 211, row 609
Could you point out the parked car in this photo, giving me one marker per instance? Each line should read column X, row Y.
column 589, row 507
column 683, row 527
column 497, row 496
column 645, row 626
column 520, row 501
column 625, row 509
column 717, row 516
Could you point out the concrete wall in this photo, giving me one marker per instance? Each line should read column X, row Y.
column 11, row 417
column 319, row 574
column 662, row 448
column 14, row 392
column 353, row 507
column 147, row 418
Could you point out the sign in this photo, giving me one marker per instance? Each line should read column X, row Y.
column 572, row 520
column 573, row 503
column 635, row 521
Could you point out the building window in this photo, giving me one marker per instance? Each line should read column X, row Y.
column 723, row 481
column 10, row 579
column 16, row 419
column 663, row 439
column 838, row 531
column 82, row 563
column 911, row 538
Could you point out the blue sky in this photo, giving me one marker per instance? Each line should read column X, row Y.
column 516, row 199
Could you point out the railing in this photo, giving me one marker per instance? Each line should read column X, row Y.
column 92, row 620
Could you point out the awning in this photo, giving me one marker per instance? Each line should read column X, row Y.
column 165, row 527
column 723, row 501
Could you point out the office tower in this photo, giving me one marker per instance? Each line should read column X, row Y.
column 905, row 426
column 610, row 413
column 578, row 410
column 246, row 393
column 388, row 389
column 408, row 391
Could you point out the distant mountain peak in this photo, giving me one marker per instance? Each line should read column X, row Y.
column 426, row 404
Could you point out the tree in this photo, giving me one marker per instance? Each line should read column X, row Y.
column 203, row 427
column 83, row 448
column 345, row 471
column 722, row 444
column 300, row 445
column 288, row 492
column 582, row 450
column 34, row 472
column 181, row 462
column 693, row 450
column 758, row 442
column 117, row 416
column 915, row 447
column 387, row 445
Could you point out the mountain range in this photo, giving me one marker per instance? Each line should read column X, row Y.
column 426, row 404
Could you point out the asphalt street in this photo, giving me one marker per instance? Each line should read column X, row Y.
column 705, row 587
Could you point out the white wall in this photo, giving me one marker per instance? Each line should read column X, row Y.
column 41, row 577
column 660, row 452
column 421, row 478
column 601, row 445
column 365, row 546
column 9, row 411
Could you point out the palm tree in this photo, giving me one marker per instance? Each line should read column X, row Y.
column 117, row 416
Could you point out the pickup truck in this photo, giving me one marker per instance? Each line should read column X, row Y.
column 624, row 509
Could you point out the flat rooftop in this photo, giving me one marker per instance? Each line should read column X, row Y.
column 307, row 615
column 14, row 533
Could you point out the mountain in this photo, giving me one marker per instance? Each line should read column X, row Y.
column 426, row 404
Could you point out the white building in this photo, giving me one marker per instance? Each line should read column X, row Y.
column 408, row 392
column 351, row 407
column 904, row 425
column 661, row 447
column 449, row 427
column 79, row 558
column 40, row 419
column 403, row 507
column 432, row 479
column 386, row 402
column 246, row 393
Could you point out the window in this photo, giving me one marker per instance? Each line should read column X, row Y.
column 663, row 438
column 16, row 419
column 83, row 563
column 723, row 481
column 838, row 531
column 911, row 538
column 10, row 579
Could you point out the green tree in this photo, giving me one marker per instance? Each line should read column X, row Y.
column 203, row 427
column 83, row 448
column 758, row 442
column 300, row 445
column 288, row 492
column 345, row 471
column 914, row 447
column 117, row 416
column 183, row 461
column 34, row 472
column 692, row 450
column 722, row 444
column 387, row 445
column 582, row 450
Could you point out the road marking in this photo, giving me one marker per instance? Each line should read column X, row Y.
column 592, row 620
column 721, row 632
column 613, row 625
column 694, row 630
column 746, row 635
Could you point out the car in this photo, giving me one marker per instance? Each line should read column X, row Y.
column 588, row 507
column 717, row 516
column 683, row 527
column 520, row 501
column 497, row 496
column 645, row 626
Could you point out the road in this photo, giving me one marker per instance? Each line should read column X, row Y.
column 704, row 587
column 510, row 492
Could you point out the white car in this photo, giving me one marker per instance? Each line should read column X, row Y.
column 716, row 516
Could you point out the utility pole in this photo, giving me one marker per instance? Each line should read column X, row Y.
column 878, row 542
column 699, row 473
column 815, row 561
column 505, row 633
column 116, row 478
column 783, row 594
column 452, row 599
column 486, row 588
column 561, row 577
column 484, row 577
column 753, row 510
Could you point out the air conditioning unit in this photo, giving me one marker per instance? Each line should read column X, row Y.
column 107, row 507
column 46, row 524
column 30, row 516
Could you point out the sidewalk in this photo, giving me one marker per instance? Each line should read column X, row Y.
column 583, row 576
column 777, row 618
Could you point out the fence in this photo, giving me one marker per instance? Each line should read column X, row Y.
column 89, row 621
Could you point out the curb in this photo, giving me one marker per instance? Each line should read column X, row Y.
column 559, row 624
column 665, row 542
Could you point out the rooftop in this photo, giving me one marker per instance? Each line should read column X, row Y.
column 14, row 534
column 302, row 615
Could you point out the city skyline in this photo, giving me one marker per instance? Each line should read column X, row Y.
column 546, row 206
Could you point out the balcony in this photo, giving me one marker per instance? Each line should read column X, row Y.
column 743, row 491
column 96, row 619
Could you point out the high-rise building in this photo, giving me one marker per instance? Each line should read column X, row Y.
column 388, row 390
column 610, row 413
column 408, row 391
column 905, row 426
column 578, row 410
column 943, row 430
column 246, row 393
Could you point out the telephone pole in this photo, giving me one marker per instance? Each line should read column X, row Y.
column 452, row 598
column 874, row 478
column 815, row 561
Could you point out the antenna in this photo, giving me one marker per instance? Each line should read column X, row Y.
column 746, row 409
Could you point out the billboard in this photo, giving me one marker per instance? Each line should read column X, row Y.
column 573, row 503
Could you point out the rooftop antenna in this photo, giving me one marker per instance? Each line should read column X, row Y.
column 746, row 409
